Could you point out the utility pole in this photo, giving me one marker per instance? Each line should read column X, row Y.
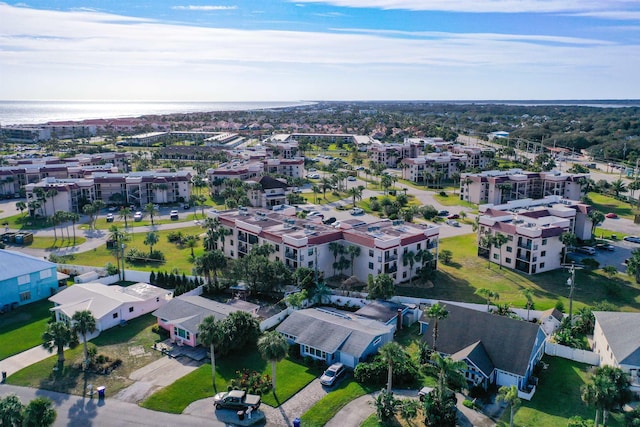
column 571, row 282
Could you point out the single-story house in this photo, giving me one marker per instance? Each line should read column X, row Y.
column 388, row 312
column 25, row 279
column 550, row 320
column 183, row 314
column 334, row 335
column 616, row 339
column 497, row 349
column 110, row 305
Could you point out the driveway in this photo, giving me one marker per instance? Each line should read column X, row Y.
column 156, row 375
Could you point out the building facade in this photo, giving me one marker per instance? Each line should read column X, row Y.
column 25, row 279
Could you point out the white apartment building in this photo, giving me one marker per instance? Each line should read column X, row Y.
column 533, row 229
column 446, row 163
column 501, row 186
column 390, row 154
column 305, row 243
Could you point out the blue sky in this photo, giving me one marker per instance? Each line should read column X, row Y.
column 278, row 50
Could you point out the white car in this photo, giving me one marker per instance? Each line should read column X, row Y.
column 313, row 176
column 356, row 211
column 137, row 216
column 351, row 178
column 314, row 213
column 331, row 375
column 173, row 215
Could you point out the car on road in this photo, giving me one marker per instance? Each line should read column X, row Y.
column 351, row 178
column 313, row 176
column 173, row 215
column 589, row 250
column 236, row 399
column 186, row 206
column 313, row 170
column 137, row 217
column 315, row 214
column 453, row 223
column 632, row 239
column 329, row 220
column 332, row 374
column 611, row 215
column 605, row 247
column 443, row 213
column 110, row 217
column 356, row 211
column 453, row 216
column 424, row 391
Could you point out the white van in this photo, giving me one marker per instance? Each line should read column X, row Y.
column 587, row 250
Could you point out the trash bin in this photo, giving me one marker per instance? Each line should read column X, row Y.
column 241, row 415
column 101, row 390
column 4, row 376
column 296, row 422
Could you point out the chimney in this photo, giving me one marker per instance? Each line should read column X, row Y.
column 399, row 320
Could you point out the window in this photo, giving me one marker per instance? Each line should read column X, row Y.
column 404, row 274
column 44, row 274
column 542, row 265
column 231, row 253
column 495, row 256
column 543, row 253
column 419, row 246
column 507, row 260
column 310, row 264
column 115, row 315
column 370, row 266
column 370, row 252
column 231, row 242
column 23, row 280
column 310, row 252
column 510, row 238
column 179, row 332
column 25, row 296
column 130, row 309
column 509, row 249
column 544, row 242
column 377, row 341
column 277, row 248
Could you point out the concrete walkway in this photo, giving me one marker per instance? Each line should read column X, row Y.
column 13, row 364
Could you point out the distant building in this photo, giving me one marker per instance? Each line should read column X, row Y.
column 25, row 279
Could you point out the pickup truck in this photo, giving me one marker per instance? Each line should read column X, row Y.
column 237, row 400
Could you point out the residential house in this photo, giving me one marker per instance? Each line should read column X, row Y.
column 25, row 279
column 267, row 192
column 498, row 350
column 183, row 315
column 110, row 305
column 616, row 339
column 335, row 336
column 550, row 320
column 388, row 312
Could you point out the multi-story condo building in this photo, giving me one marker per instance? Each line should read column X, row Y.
column 477, row 158
column 268, row 192
column 307, row 243
column 390, row 154
column 420, row 168
column 498, row 187
column 118, row 160
column 136, row 188
column 533, row 229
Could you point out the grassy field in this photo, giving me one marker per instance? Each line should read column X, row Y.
column 46, row 242
column 185, row 216
column 557, row 398
column 468, row 272
column 177, row 257
column 452, row 199
column 23, row 222
column 324, row 409
column 116, row 343
column 606, row 204
column 22, row 328
column 291, row 377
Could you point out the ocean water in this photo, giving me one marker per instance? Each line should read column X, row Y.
column 37, row 112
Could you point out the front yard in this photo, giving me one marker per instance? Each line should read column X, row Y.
column 132, row 343
column 22, row 328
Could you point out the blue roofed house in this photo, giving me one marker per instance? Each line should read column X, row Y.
column 497, row 349
column 25, row 279
column 335, row 335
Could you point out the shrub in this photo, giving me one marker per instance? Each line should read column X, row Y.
column 252, row 382
column 444, row 194
column 469, row 404
column 174, row 237
column 111, row 269
column 375, row 373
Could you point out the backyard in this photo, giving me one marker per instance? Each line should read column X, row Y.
column 132, row 343
column 22, row 328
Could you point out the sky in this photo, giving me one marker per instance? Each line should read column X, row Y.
column 280, row 50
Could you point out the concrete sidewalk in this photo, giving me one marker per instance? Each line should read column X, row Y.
column 13, row 364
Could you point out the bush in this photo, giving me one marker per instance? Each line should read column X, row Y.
column 375, row 373
column 111, row 269
column 469, row 404
column 174, row 237
column 252, row 382
column 444, row 194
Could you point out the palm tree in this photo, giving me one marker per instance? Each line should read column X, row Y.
column 125, row 213
column 336, row 249
column 528, row 294
column 151, row 210
column 51, row 194
column 449, row 371
column 568, row 239
column 487, row 294
column 618, row 187
column 84, row 323
column 74, row 217
column 409, row 258
column 39, row 413
column 633, row 264
column 150, row 240
column 191, row 243
column 57, row 336
column 354, row 252
column 21, row 206
column 510, row 396
column 596, row 218
column 315, row 190
column 325, row 184
column 436, row 312
column 273, row 347
column 210, row 332
column 11, row 411
column 499, row 241
column 391, row 352
column 355, row 193
column 211, row 261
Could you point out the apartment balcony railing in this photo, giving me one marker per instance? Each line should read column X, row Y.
column 242, row 238
column 290, row 254
column 391, row 257
column 524, row 245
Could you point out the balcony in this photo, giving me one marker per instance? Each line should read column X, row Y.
column 390, row 257
column 291, row 254
column 388, row 269
column 524, row 245
column 242, row 237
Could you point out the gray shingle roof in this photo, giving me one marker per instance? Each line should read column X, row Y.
column 15, row 264
column 508, row 342
column 477, row 354
column 622, row 331
column 332, row 330
column 380, row 310
column 188, row 312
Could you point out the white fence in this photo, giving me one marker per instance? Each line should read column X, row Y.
column 275, row 319
column 582, row 356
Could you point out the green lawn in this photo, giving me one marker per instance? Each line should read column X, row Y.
column 468, row 272
column 177, row 257
column 452, row 199
column 185, row 216
column 606, row 204
column 324, row 409
column 291, row 377
column 115, row 343
column 557, row 397
column 46, row 242
column 22, row 328
column 23, row 222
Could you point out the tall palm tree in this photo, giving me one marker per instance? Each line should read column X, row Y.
column 487, row 294
column 273, row 347
column 125, row 213
column 74, row 217
column 39, row 413
column 596, row 218
column 211, row 261
column 437, row 312
column 528, row 294
column 210, row 332
column 391, row 352
column 325, row 184
column 57, row 336
column 191, row 243
column 315, row 190
column 21, row 206
column 499, row 241
column 409, row 258
column 151, row 210
column 354, row 252
column 568, row 239
column 336, row 249
column 449, row 371
column 509, row 395
column 84, row 323
column 150, row 240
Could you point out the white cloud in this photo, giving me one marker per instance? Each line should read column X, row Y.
column 204, row 8
column 483, row 6
column 98, row 55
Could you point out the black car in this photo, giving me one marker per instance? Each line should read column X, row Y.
column 330, row 220
column 443, row 213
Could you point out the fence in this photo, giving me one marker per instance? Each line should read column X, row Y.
column 582, row 356
column 275, row 319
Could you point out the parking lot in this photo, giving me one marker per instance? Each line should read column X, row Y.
column 622, row 250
